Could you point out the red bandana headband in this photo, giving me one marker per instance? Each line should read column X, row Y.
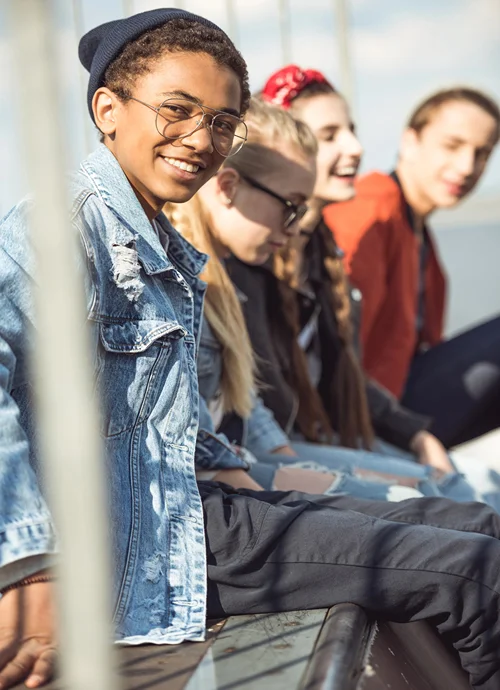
column 287, row 83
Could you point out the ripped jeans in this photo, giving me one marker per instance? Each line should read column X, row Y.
column 388, row 474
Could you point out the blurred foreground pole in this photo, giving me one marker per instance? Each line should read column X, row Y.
column 67, row 419
column 285, row 32
column 344, row 55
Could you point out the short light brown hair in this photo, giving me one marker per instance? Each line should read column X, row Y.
column 424, row 112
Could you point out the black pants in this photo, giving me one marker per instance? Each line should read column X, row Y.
column 457, row 383
column 426, row 558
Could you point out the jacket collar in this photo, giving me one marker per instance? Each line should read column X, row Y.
column 410, row 213
column 112, row 186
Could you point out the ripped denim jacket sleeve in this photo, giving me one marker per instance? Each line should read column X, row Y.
column 27, row 536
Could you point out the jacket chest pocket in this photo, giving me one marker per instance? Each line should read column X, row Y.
column 132, row 357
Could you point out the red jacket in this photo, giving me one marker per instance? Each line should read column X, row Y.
column 382, row 258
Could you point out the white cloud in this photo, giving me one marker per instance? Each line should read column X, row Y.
column 414, row 41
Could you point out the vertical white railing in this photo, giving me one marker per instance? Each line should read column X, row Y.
column 67, row 418
column 232, row 21
column 344, row 55
column 79, row 31
column 128, row 7
column 285, row 31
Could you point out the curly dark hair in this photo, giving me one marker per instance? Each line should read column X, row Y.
column 176, row 36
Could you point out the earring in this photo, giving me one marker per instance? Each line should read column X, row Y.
column 227, row 201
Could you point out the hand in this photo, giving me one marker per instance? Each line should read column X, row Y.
column 431, row 452
column 285, row 450
column 27, row 636
column 238, row 479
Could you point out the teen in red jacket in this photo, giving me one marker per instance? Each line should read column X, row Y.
column 391, row 258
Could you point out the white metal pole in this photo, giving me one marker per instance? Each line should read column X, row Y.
column 344, row 55
column 78, row 27
column 285, row 31
column 232, row 21
column 67, row 418
column 128, row 8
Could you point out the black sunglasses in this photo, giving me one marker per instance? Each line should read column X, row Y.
column 294, row 212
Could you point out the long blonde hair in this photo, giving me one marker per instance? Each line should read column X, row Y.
column 269, row 130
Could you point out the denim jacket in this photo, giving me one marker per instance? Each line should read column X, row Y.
column 260, row 433
column 144, row 311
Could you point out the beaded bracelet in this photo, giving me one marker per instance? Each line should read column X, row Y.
column 34, row 579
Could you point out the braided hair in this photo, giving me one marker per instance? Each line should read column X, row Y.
column 347, row 401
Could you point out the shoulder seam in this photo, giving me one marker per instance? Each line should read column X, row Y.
column 79, row 201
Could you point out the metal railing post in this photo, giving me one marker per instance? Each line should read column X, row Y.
column 345, row 64
column 66, row 413
column 285, row 31
column 78, row 27
column 128, row 8
column 232, row 21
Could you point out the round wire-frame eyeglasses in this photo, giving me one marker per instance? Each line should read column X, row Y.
column 183, row 117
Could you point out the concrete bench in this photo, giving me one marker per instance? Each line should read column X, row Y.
column 301, row 650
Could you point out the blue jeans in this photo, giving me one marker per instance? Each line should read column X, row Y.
column 347, row 463
column 478, row 481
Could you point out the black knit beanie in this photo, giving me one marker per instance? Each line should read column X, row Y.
column 100, row 46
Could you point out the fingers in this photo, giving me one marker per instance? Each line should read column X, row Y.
column 8, row 650
column 43, row 668
column 32, row 655
column 17, row 669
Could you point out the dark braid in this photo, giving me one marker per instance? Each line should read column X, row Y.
column 312, row 419
column 348, row 396
column 348, row 385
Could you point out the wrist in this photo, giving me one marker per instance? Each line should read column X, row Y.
column 284, row 450
column 37, row 578
column 418, row 441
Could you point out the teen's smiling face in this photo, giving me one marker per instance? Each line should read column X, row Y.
column 339, row 151
column 151, row 162
column 444, row 162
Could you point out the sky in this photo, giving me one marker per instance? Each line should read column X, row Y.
column 401, row 50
